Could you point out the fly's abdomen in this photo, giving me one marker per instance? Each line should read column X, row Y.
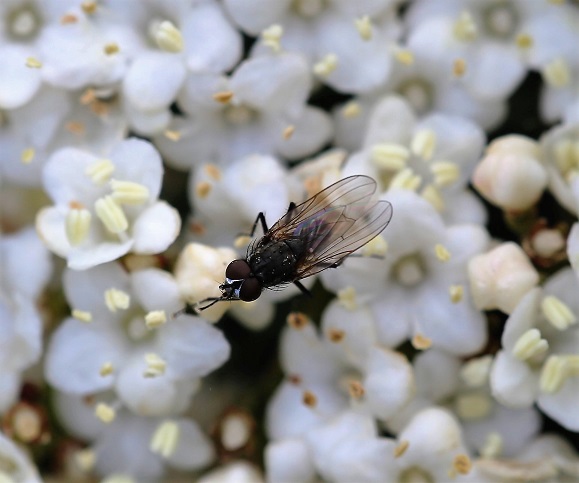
column 275, row 263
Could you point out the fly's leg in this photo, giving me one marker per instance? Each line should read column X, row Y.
column 290, row 210
column 303, row 289
column 260, row 218
column 194, row 309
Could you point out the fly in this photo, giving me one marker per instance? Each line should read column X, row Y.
column 312, row 236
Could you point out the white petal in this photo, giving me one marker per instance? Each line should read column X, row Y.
column 156, row 228
column 9, row 389
column 512, row 382
column 289, row 460
column 155, row 289
column 153, row 80
column 76, row 414
column 437, row 374
column 194, row 449
column 561, row 406
column 191, row 347
column 392, row 120
column 88, row 257
column 18, row 83
column 76, row 353
column 16, row 466
column 255, row 15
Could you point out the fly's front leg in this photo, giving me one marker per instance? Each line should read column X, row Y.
column 303, row 289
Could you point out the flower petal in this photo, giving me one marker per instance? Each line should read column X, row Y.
column 156, row 228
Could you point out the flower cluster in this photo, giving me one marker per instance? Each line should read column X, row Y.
column 139, row 141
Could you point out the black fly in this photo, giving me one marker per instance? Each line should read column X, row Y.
column 317, row 234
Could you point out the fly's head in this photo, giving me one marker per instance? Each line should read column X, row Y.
column 240, row 284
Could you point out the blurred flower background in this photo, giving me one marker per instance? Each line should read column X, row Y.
column 139, row 138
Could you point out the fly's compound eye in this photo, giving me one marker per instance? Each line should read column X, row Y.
column 250, row 289
column 237, row 270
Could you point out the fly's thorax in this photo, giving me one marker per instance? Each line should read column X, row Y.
column 275, row 262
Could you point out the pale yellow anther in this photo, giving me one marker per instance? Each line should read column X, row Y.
column 116, row 478
column 155, row 365
column 401, row 448
column 459, row 68
column 213, row 171
column 424, row 143
column 105, row 412
column 326, row 66
column 557, row 312
column 475, row 405
column 202, row 189
column 155, row 319
column 89, row 6
column 493, row 445
column 377, row 247
column 406, row 179
column 117, row 299
column 441, row 252
column 421, row 342
column 271, row 37
column 82, row 315
column 456, row 293
column 168, row 37
column 172, row 134
column 364, row 27
column 85, row 459
column 33, row 63
column 530, row 345
column 129, row 192
column 461, row 465
column 475, row 372
column 556, row 73
column 432, row 194
column 404, row 56
column 445, row 173
column 553, row 374
column 524, row 41
column 111, row 214
column 77, row 225
column 390, row 156
column 351, row 110
column 223, row 97
column 241, row 241
column 101, row 171
column 565, row 156
column 106, row 369
column 27, row 155
column 165, row 439
column 464, row 28
column 111, row 48
column 288, row 132
column 348, row 298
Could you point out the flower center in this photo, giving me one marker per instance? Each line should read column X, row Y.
column 308, row 8
column 415, row 474
column 238, row 115
column 418, row 92
column 500, row 20
column 409, row 270
column 23, row 23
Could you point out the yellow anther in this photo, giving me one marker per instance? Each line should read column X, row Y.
column 271, row 37
column 77, row 225
column 390, row 156
column 165, row 439
column 168, row 37
column 445, row 173
column 348, row 298
column 456, row 293
column 106, row 369
column 155, row 319
column 530, row 345
column 432, row 194
column 33, row 63
column 406, row 179
column 556, row 73
column 465, row 29
column 155, row 365
column 105, row 412
column 326, row 66
column 557, row 312
column 441, row 252
column 111, row 48
column 117, row 299
column 129, row 193
column 475, row 405
column 27, row 155
column 364, row 27
column 111, row 215
column 82, row 315
column 101, row 171
column 424, row 143
column 351, row 110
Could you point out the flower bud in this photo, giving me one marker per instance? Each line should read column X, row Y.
column 511, row 175
column 500, row 278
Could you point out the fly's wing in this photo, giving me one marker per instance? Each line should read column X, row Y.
column 334, row 223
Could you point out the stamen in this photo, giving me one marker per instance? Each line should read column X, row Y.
column 105, row 412
column 326, row 66
column 241, row 241
column 213, row 171
column 155, row 365
column 441, row 252
column 356, row 390
column 168, row 37
column 557, row 73
column 27, row 155
column 310, row 399
column 165, row 439
column 111, row 215
column 459, row 68
column 288, row 131
column 389, row 156
column 106, row 369
column 493, row 445
column 553, row 374
column 172, row 134
column 351, row 110
column 82, row 315
column 557, row 312
column 155, row 319
column 129, row 193
column 445, row 172
column 456, row 293
column 421, row 342
column 364, row 27
column 377, row 247
column 297, row 320
column 77, row 225
column 404, row 56
column 524, row 41
column 406, row 179
column 424, row 143
column 111, row 48
column 462, row 464
column 464, row 28
column 33, row 63
column 530, row 345
column 347, row 298
column 473, row 406
column 431, row 194
column 336, row 336
column 101, row 171
column 117, row 299
column 271, row 37
column 475, row 373
column 85, row 459
column 224, row 97
column 401, row 448
column 89, row 7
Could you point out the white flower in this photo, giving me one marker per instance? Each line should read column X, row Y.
column 16, row 465
column 106, row 207
column 540, row 343
column 235, row 472
column 355, row 36
column 51, row 120
column 259, row 109
column 511, row 175
column 419, row 290
column 135, row 446
column 433, row 156
column 153, row 368
column 26, row 268
column 500, row 278
column 561, row 159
